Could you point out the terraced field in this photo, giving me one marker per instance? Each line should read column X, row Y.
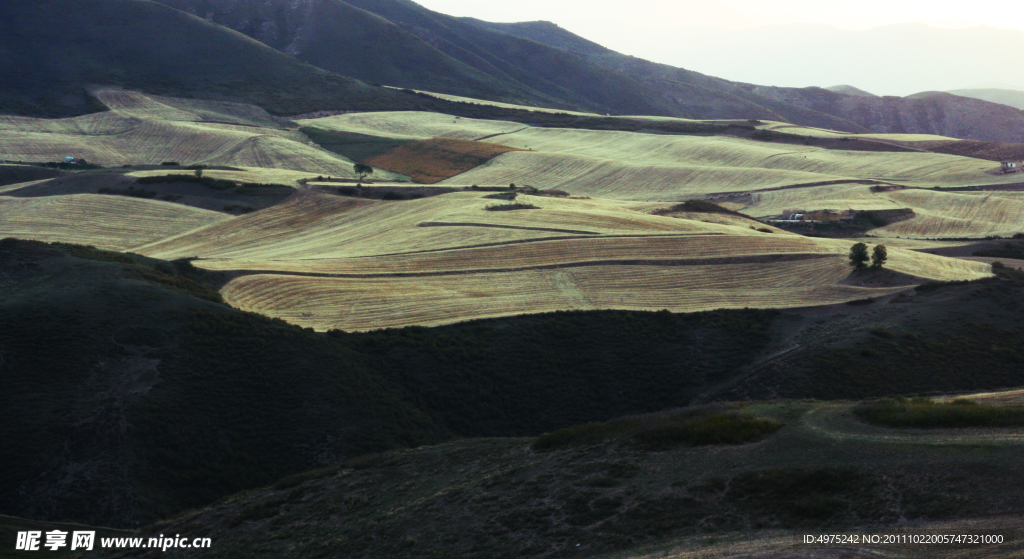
column 824, row 133
column 141, row 129
column 956, row 215
column 633, row 166
column 326, row 260
column 331, row 262
column 107, row 222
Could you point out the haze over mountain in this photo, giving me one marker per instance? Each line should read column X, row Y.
column 901, row 59
column 1011, row 97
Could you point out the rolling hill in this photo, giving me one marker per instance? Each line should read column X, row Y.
column 147, row 409
column 609, row 495
column 163, row 377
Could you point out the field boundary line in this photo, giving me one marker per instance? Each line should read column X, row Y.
column 720, row 261
column 540, row 240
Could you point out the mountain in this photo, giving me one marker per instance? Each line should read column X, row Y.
column 850, row 90
column 403, row 44
column 53, row 50
column 1011, row 97
column 900, row 59
column 711, row 97
column 155, row 48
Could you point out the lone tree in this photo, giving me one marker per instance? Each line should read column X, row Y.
column 199, row 173
column 362, row 169
column 878, row 257
column 859, row 256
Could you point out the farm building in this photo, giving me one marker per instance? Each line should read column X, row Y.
column 1010, row 166
column 817, row 216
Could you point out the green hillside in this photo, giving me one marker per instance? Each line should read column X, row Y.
column 54, row 49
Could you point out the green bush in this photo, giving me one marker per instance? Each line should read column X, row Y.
column 716, row 429
column 511, row 207
column 921, row 413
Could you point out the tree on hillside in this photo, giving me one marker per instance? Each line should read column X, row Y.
column 859, row 256
column 362, row 169
column 878, row 257
column 199, row 173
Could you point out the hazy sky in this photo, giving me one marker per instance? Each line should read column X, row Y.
column 603, row 17
column 647, row 28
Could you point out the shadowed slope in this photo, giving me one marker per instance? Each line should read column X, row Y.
column 54, row 49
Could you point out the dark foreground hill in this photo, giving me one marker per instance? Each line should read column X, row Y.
column 127, row 392
column 615, row 495
column 53, row 50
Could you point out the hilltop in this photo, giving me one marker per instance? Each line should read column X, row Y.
column 402, row 44
column 56, row 50
column 166, row 51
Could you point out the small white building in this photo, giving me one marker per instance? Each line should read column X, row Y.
column 1011, row 166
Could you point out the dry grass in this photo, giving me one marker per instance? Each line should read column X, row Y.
column 107, row 222
column 333, row 262
column 825, row 133
column 432, row 161
column 831, row 197
column 371, row 303
column 330, row 261
column 315, row 226
column 413, row 125
column 145, row 129
column 957, row 215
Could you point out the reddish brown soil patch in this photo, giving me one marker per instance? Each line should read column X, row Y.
column 991, row 151
column 431, row 161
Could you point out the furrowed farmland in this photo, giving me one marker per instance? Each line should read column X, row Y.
column 593, row 221
column 311, row 279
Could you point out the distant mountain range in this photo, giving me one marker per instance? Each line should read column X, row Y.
column 1011, row 97
column 296, row 56
column 901, row 59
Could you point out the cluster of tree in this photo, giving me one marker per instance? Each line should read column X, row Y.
column 859, row 256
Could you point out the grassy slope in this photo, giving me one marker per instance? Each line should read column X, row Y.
column 627, row 165
column 948, row 339
column 165, row 384
column 52, row 49
column 498, row 498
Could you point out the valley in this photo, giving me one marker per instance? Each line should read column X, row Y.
column 357, row 278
